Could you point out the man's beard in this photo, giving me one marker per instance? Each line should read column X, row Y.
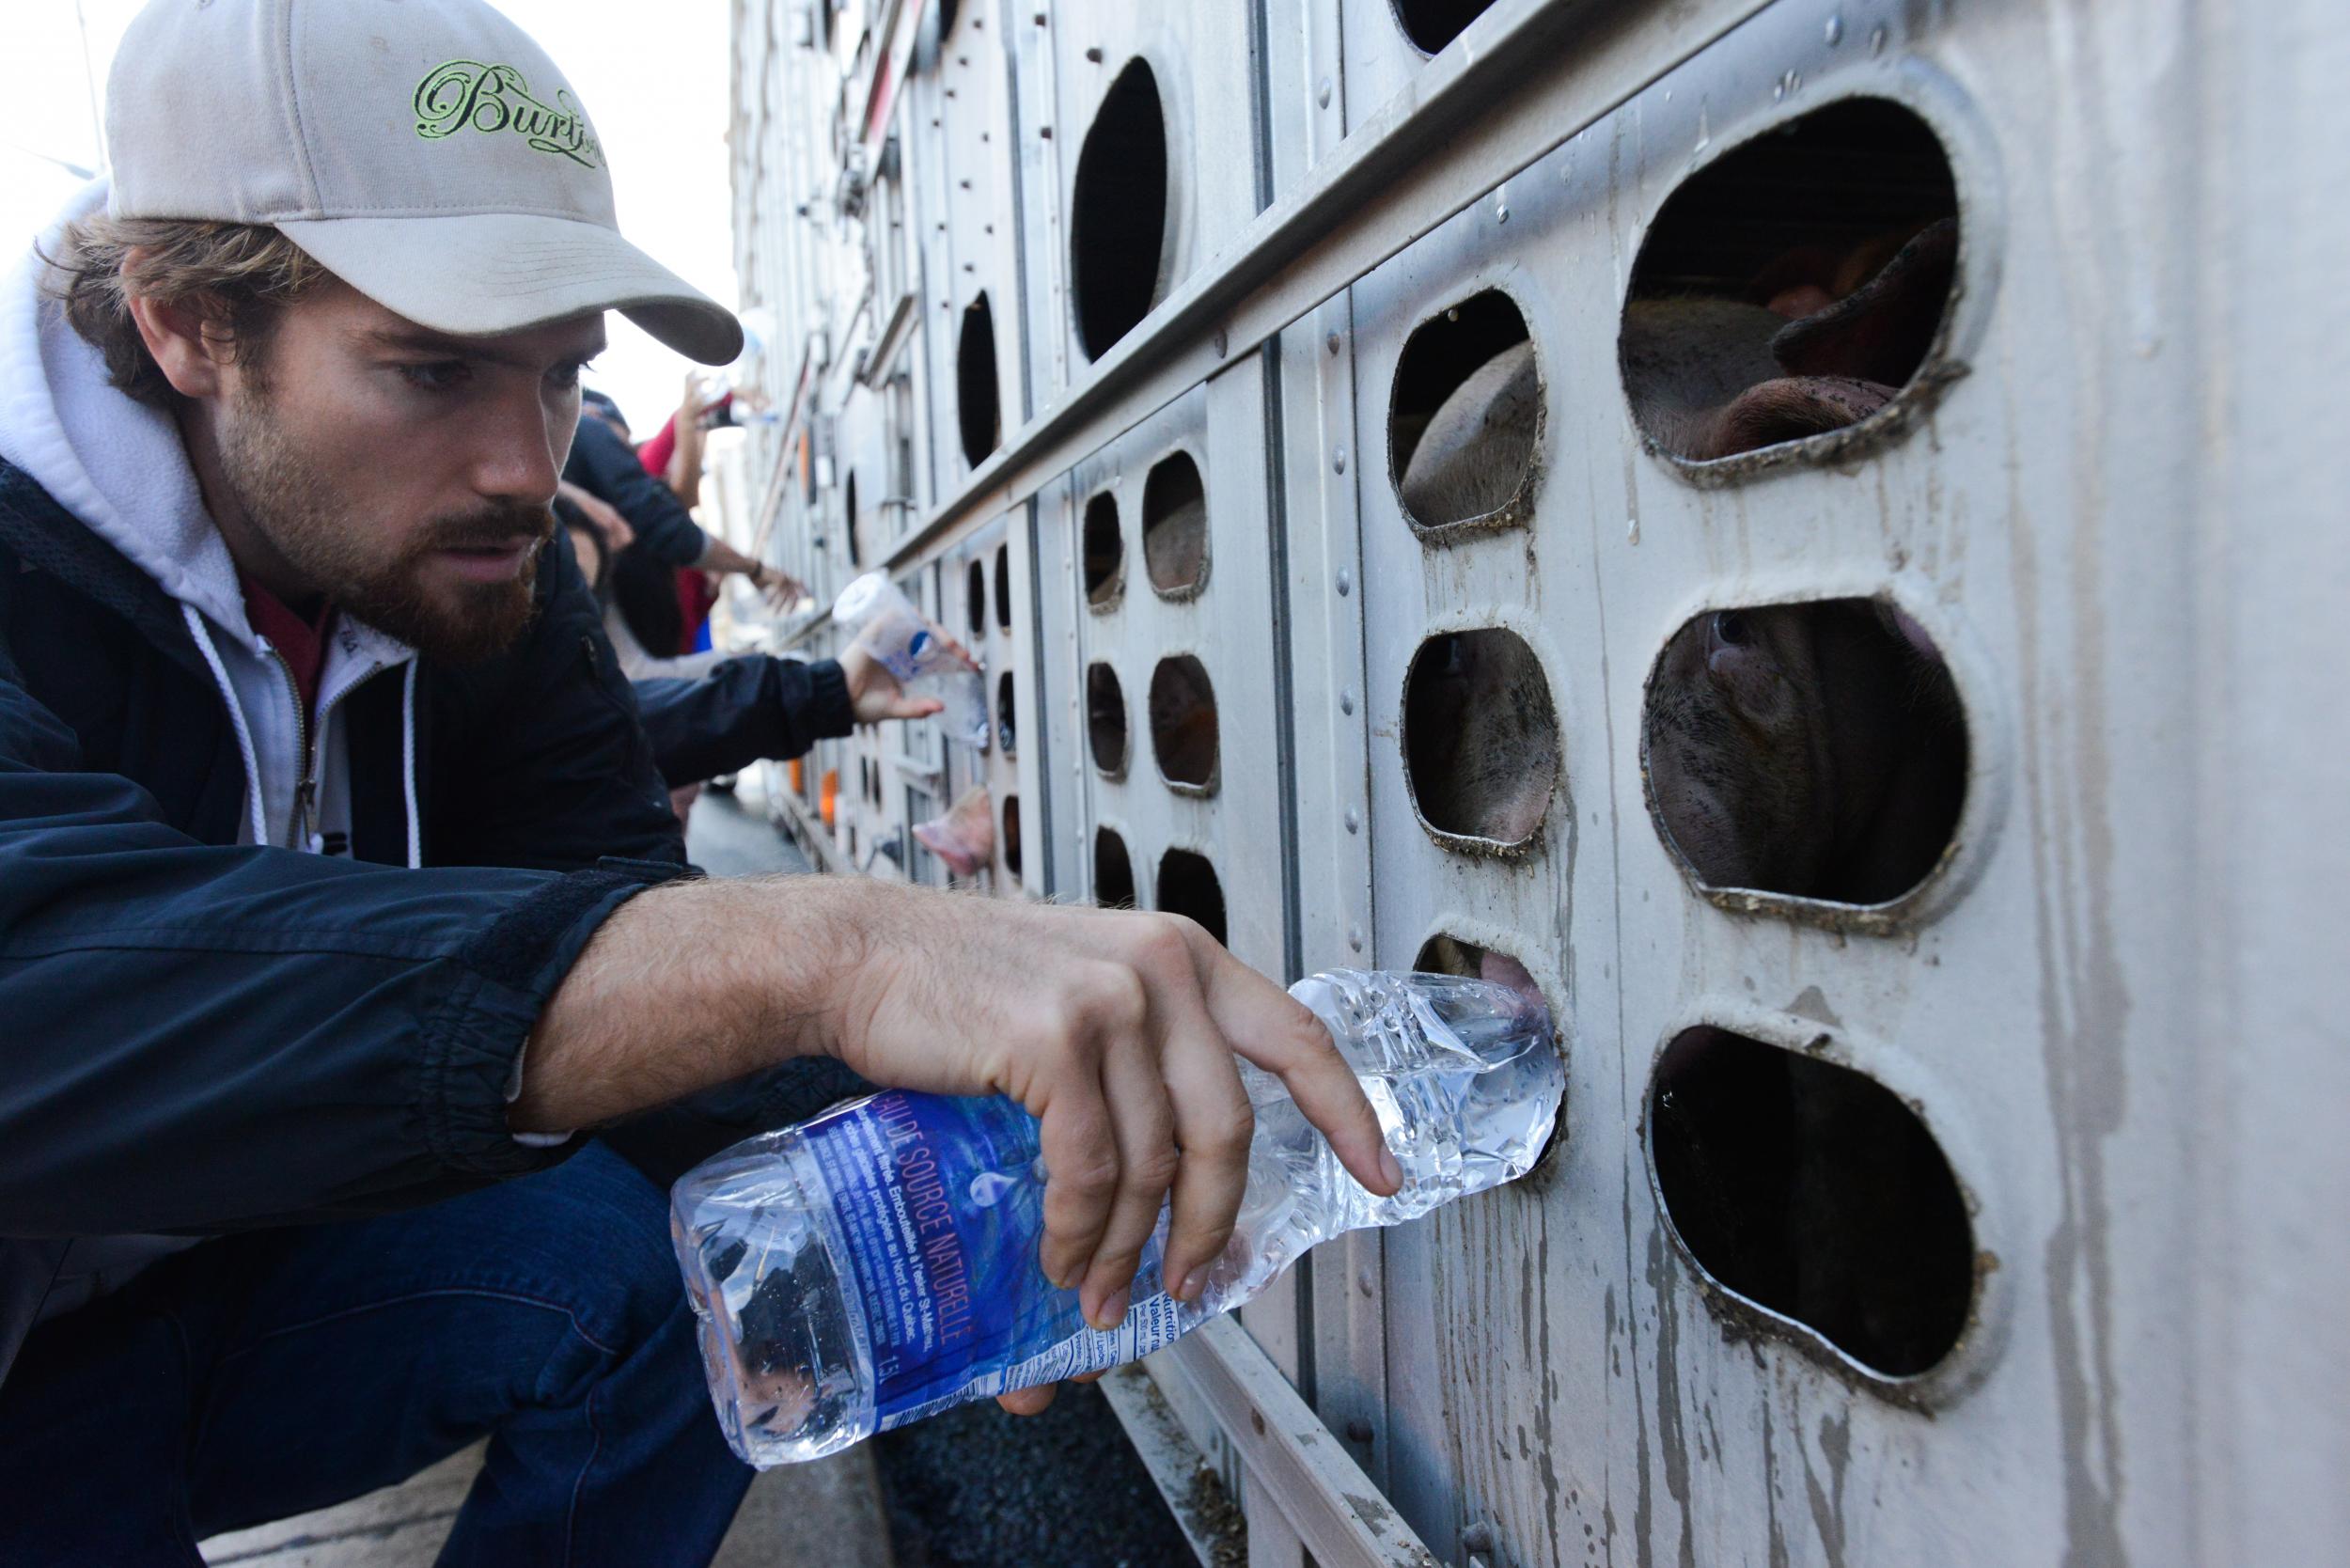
column 290, row 502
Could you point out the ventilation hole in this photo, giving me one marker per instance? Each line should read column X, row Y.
column 1187, row 885
column 1480, row 739
column 976, row 407
column 975, row 599
column 1113, row 873
column 1183, row 723
column 1814, row 1192
column 947, row 10
column 856, row 525
column 1118, row 212
column 1814, row 750
column 1794, row 287
column 1003, row 587
column 1433, row 23
column 1012, row 836
column 1006, row 733
column 1105, row 552
column 1105, row 719
column 1449, row 955
column 1466, row 415
column 1175, row 526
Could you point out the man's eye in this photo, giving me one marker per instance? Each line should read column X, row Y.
column 440, row 375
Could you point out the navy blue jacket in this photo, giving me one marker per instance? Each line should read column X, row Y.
column 198, row 1037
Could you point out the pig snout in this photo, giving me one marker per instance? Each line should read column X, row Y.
column 1475, row 451
column 965, row 836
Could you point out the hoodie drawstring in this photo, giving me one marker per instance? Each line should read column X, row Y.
column 408, row 763
column 236, row 717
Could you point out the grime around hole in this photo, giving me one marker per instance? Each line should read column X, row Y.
column 1188, row 885
column 1790, row 297
column 1814, row 752
column 1106, row 720
column 1816, row 1196
column 1113, row 870
column 1105, row 552
column 1465, row 420
column 1175, row 528
column 1118, row 212
column 1184, row 724
column 1480, row 740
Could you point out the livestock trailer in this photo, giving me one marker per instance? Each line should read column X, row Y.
column 1797, row 528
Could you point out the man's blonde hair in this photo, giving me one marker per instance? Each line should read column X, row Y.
column 239, row 276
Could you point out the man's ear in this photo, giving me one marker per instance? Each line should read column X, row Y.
column 191, row 357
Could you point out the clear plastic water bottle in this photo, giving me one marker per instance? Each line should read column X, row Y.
column 904, row 639
column 878, row 1263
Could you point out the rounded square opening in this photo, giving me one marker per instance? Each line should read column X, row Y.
column 1814, row 750
column 1113, row 872
column 1175, row 526
column 1464, row 418
column 1480, row 739
column 1814, row 1193
column 1104, row 547
column 977, row 410
column 1184, row 723
column 1118, row 212
column 1105, row 719
column 1794, row 287
column 1188, row 885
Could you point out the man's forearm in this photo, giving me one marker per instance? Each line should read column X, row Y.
column 690, row 985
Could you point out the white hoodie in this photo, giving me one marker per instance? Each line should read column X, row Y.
column 119, row 465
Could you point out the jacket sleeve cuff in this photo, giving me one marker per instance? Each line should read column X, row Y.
column 830, row 710
column 474, row 1040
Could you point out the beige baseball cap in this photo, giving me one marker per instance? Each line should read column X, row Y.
column 426, row 151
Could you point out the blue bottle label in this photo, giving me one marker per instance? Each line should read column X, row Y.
column 941, row 1204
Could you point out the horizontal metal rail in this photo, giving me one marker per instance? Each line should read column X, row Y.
column 1524, row 79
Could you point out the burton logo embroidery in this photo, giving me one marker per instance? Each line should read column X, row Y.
column 494, row 97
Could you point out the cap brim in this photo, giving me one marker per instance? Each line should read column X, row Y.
column 482, row 275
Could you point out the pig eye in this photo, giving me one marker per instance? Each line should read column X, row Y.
column 1731, row 629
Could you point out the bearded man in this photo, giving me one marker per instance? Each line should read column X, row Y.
column 340, row 906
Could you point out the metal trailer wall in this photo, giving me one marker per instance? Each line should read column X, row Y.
column 2112, row 1005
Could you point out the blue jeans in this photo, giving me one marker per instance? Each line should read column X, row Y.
column 261, row 1375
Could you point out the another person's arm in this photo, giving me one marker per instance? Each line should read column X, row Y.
column 759, row 709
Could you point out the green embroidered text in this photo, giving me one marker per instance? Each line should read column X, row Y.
column 494, row 97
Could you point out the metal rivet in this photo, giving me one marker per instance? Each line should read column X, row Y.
column 1876, row 42
column 1045, row 132
column 1222, row 343
column 1359, row 1431
column 1346, row 582
column 1354, row 820
column 1501, row 215
column 1479, row 1537
column 1835, row 31
column 1093, row 56
column 1322, row 94
column 1331, row 342
column 1256, row 1418
column 1346, row 702
column 1363, row 1283
column 1337, row 459
column 1354, row 938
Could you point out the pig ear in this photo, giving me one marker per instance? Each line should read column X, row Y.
column 1882, row 330
column 1788, row 408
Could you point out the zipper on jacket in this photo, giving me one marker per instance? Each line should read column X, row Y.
column 306, row 791
column 307, row 788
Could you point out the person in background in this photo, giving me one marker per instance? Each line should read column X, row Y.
column 344, row 926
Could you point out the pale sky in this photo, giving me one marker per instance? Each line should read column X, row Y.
column 652, row 75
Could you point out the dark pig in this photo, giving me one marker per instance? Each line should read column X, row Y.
column 1816, row 750
column 1710, row 377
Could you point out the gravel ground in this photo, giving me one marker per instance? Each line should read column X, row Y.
column 974, row 1487
column 978, row 1488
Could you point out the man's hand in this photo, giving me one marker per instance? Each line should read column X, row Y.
column 1116, row 1030
column 601, row 515
column 874, row 693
